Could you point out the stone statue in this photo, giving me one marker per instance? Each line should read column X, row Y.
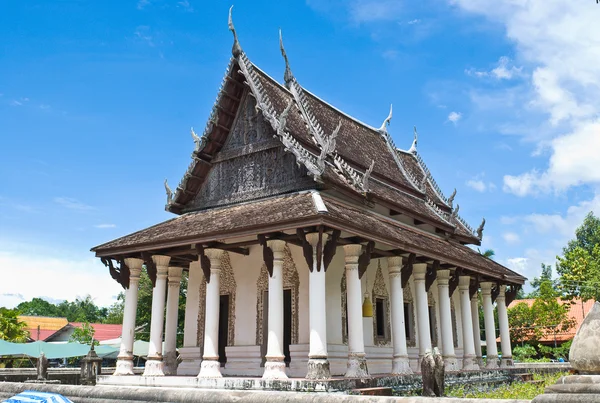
column 432, row 372
column 427, row 373
column 439, row 373
column 42, row 367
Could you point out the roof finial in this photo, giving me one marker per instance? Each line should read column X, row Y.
column 413, row 147
column 386, row 122
column 169, row 193
column 236, row 50
column 455, row 212
column 451, row 198
column 480, row 230
column 288, row 77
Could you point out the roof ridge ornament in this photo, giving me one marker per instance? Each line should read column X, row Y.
column 288, row 76
column 200, row 142
column 451, row 198
column 480, row 229
column 386, row 122
column 236, row 49
column 169, row 193
column 455, row 212
column 413, row 147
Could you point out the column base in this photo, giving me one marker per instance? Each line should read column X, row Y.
column 318, row 368
column 451, row 363
column 401, row 366
column 170, row 363
column 506, row 362
column 154, row 367
column 274, row 368
column 190, row 361
column 210, row 369
column 124, row 366
column 470, row 364
column 491, row 363
column 481, row 362
column 357, row 366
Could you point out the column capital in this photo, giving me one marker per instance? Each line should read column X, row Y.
column 394, row 265
column 464, row 283
column 501, row 294
column 486, row 287
column 443, row 277
column 135, row 267
column 352, row 253
column 419, row 271
column 313, row 238
column 276, row 245
column 161, row 260
column 215, row 257
column 175, row 275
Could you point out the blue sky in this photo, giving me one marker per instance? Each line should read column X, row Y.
column 97, row 98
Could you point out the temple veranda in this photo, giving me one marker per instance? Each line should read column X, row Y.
column 315, row 248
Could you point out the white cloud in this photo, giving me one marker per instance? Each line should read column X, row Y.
column 518, row 264
column 72, row 204
column 504, row 70
column 478, row 183
column 14, row 102
column 365, row 11
column 185, row 4
column 103, row 226
column 415, row 21
column 46, row 274
column 574, row 161
column 454, row 117
column 142, row 3
column 511, row 237
column 559, row 42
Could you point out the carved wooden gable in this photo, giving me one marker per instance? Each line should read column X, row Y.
column 251, row 165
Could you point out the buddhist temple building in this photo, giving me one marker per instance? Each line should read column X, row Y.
column 315, row 248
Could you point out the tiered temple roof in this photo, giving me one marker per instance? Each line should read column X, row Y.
column 349, row 176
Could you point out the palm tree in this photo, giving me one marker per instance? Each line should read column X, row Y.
column 489, row 253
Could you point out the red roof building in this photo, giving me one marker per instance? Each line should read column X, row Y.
column 59, row 329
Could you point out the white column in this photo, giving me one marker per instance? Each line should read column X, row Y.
column 469, row 359
column 211, row 367
column 190, row 353
column 275, row 365
column 318, row 364
column 504, row 330
column 154, row 362
column 170, row 355
column 419, row 271
column 400, row 362
column 476, row 329
column 125, row 358
column 357, row 364
column 490, row 327
column 450, row 361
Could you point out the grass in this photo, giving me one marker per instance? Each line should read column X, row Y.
column 516, row 390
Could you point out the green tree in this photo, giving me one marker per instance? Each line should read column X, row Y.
column 544, row 283
column 579, row 267
column 11, row 329
column 489, row 253
column 115, row 311
column 37, row 307
column 84, row 334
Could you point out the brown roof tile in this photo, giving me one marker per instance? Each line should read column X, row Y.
column 413, row 240
column 218, row 222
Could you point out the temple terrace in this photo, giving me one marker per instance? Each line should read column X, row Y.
column 315, row 248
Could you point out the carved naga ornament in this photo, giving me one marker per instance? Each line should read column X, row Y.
column 413, row 147
column 480, row 230
column 451, row 198
column 169, row 193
